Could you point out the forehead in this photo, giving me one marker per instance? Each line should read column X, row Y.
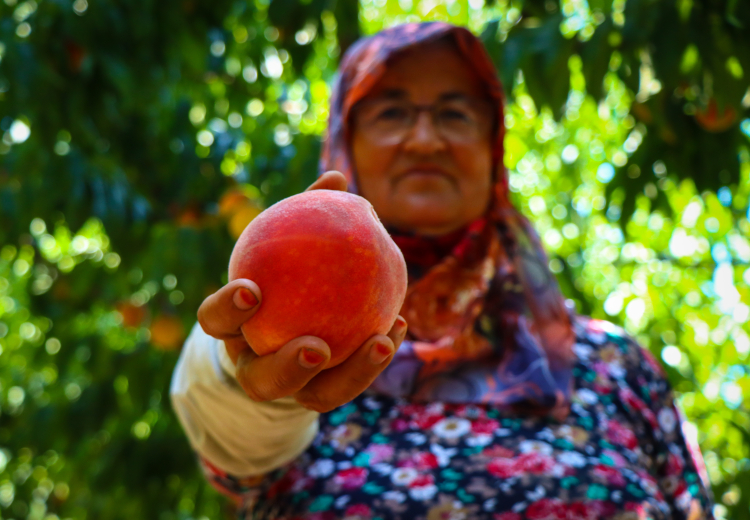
column 426, row 72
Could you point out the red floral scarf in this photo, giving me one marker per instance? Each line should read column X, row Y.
column 487, row 322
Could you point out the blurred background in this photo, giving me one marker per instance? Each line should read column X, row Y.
column 139, row 137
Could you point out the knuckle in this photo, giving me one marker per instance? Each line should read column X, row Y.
column 313, row 402
column 210, row 330
column 254, row 394
column 281, row 384
column 364, row 374
column 206, row 323
column 201, row 315
column 259, row 393
column 361, row 381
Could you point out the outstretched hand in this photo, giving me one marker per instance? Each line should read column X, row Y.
column 297, row 368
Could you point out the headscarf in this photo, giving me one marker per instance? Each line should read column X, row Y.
column 487, row 321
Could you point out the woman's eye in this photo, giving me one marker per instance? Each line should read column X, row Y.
column 393, row 114
column 450, row 114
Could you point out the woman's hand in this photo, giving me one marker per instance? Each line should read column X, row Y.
column 295, row 369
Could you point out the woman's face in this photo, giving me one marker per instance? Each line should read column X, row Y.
column 433, row 179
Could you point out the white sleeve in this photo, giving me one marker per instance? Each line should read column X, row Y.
column 233, row 432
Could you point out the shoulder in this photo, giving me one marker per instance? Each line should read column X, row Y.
column 606, row 347
column 610, row 362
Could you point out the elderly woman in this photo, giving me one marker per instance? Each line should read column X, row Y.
column 498, row 402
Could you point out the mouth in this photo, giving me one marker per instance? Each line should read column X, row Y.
column 425, row 171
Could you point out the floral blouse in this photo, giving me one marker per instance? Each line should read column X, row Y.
column 619, row 455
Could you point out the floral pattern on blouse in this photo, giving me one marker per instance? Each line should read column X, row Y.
column 620, row 454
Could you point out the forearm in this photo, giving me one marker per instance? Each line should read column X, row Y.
column 224, row 426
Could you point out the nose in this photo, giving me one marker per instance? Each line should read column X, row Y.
column 424, row 137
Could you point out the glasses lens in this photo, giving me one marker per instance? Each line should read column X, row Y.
column 460, row 120
column 385, row 118
column 388, row 120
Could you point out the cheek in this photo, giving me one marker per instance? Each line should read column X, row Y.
column 475, row 164
column 371, row 165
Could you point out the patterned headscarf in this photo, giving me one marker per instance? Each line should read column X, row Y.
column 487, row 322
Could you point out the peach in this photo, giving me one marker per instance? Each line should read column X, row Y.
column 326, row 267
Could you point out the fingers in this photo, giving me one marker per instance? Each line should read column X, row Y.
column 235, row 346
column 330, row 180
column 346, row 381
column 222, row 313
column 296, row 369
column 284, row 372
column 398, row 331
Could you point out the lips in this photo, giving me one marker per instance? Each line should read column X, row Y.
column 425, row 170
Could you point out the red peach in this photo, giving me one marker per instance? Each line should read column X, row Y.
column 327, row 268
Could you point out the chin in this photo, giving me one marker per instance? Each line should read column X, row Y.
column 422, row 224
column 425, row 213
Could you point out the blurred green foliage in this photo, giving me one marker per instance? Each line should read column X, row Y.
column 138, row 137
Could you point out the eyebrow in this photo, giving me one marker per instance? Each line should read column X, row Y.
column 396, row 93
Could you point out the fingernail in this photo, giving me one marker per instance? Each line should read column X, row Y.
column 379, row 352
column 244, row 299
column 401, row 324
column 309, row 358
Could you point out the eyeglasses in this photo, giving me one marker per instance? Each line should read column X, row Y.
column 388, row 121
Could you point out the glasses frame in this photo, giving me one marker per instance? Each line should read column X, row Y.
column 483, row 106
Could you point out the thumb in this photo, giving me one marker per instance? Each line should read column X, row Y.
column 330, row 180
